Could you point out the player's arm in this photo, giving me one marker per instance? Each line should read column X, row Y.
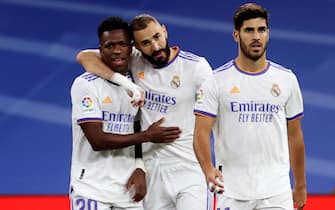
column 202, row 132
column 137, row 180
column 90, row 59
column 100, row 140
column 297, row 158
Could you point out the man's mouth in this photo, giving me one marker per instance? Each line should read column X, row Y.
column 256, row 46
column 118, row 61
column 158, row 54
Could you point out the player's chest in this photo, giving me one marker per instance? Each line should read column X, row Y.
column 115, row 99
column 254, row 90
column 175, row 81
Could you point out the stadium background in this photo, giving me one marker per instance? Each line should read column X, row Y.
column 40, row 38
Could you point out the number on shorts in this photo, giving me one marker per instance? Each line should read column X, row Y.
column 86, row 204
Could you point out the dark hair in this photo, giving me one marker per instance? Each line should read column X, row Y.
column 141, row 21
column 113, row 23
column 249, row 11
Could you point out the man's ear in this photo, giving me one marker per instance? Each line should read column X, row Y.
column 236, row 36
column 165, row 30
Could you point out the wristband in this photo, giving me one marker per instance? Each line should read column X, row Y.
column 128, row 85
column 140, row 164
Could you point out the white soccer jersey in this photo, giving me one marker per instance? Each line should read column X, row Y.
column 170, row 92
column 101, row 175
column 250, row 131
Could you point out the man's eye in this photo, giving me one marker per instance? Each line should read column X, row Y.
column 157, row 36
column 249, row 30
column 145, row 43
column 262, row 30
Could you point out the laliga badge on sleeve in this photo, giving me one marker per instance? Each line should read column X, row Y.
column 87, row 104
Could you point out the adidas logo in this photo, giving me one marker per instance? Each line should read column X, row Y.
column 107, row 100
column 235, row 90
column 140, row 75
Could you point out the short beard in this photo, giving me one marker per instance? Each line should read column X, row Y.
column 162, row 61
column 248, row 54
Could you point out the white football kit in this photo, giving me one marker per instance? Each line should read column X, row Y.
column 250, row 131
column 175, row 179
column 100, row 176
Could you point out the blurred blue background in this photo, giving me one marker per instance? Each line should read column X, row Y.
column 39, row 40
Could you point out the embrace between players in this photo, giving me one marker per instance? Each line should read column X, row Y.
column 179, row 103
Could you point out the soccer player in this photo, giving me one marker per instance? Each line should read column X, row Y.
column 170, row 78
column 104, row 174
column 254, row 107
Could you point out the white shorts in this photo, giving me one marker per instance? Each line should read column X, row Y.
column 282, row 201
column 82, row 203
column 173, row 185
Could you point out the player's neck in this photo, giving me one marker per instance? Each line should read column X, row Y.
column 251, row 66
column 173, row 52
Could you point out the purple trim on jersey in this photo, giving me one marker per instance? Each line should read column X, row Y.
column 89, row 77
column 224, row 67
column 296, row 116
column 204, row 113
column 280, row 67
column 160, row 67
column 253, row 74
column 188, row 56
column 89, row 119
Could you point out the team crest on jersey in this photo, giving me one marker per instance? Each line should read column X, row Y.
column 87, row 103
column 175, row 82
column 275, row 90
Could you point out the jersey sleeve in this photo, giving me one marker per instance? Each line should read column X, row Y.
column 203, row 72
column 85, row 102
column 207, row 100
column 294, row 106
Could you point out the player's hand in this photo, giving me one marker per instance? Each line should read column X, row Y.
column 136, row 185
column 214, row 180
column 299, row 197
column 137, row 97
column 159, row 134
column 134, row 91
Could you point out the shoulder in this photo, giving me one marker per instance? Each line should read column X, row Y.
column 224, row 67
column 278, row 67
column 282, row 72
column 194, row 61
column 86, row 79
column 189, row 56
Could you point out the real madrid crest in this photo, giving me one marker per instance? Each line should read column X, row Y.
column 275, row 90
column 175, row 82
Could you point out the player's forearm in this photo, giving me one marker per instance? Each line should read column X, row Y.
column 202, row 151
column 100, row 140
column 297, row 156
column 201, row 143
column 91, row 61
